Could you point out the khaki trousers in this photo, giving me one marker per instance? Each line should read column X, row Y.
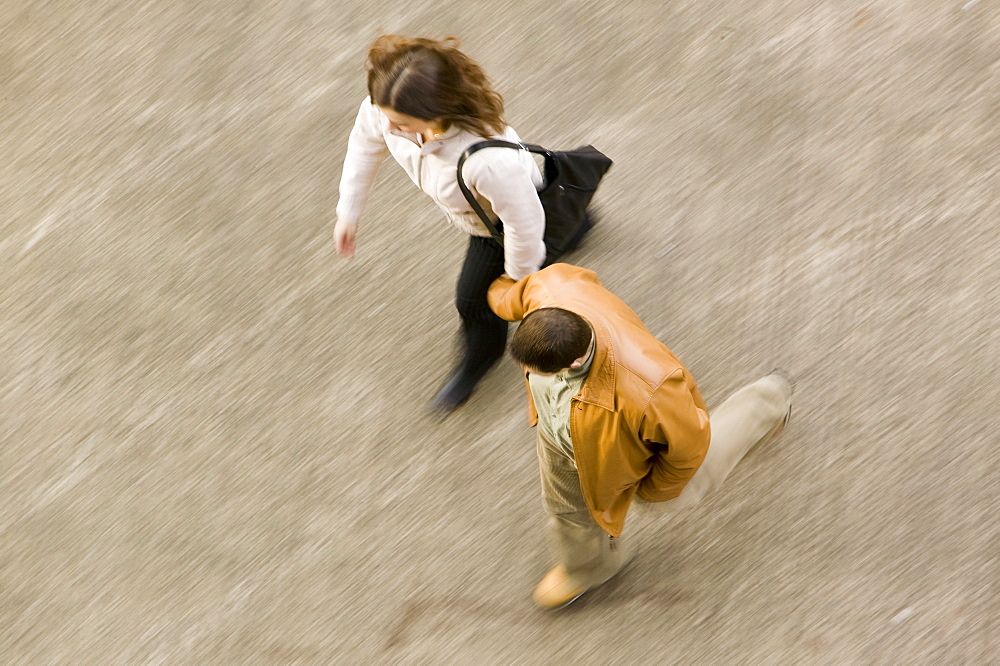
column 588, row 553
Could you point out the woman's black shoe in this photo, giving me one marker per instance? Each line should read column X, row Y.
column 458, row 389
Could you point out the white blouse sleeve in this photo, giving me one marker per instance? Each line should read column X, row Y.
column 506, row 183
column 365, row 151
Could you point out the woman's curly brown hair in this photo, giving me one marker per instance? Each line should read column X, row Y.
column 432, row 80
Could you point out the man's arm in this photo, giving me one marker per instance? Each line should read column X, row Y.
column 679, row 432
column 506, row 297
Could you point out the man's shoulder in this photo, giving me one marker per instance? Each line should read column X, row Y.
column 561, row 286
column 566, row 274
column 640, row 355
column 648, row 372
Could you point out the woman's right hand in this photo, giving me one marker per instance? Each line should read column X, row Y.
column 344, row 234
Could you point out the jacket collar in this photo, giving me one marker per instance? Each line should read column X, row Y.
column 599, row 388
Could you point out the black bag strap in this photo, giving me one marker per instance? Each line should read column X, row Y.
column 476, row 147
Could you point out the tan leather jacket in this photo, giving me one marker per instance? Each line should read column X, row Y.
column 639, row 424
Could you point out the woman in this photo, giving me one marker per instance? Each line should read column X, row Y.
column 427, row 103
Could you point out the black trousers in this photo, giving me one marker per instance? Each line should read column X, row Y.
column 484, row 334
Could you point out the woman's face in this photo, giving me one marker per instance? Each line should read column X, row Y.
column 409, row 124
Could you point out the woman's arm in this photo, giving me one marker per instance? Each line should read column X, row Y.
column 506, row 183
column 365, row 151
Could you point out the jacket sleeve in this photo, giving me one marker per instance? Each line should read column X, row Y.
column 678, row 431
column 506, row 183
column 365, row 151
column 506, row 297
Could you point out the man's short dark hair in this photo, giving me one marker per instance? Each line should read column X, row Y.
column 550, row 339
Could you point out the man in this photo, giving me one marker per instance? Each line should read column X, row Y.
column 617, row 416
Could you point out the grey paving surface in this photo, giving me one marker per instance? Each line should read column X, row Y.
column 212, row 444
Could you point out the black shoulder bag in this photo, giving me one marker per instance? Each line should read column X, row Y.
column 571, row 178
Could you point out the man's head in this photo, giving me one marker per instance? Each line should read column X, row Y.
column 550, row 340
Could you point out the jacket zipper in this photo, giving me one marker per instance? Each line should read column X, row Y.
column 420, row 171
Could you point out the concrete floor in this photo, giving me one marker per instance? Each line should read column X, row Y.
column 212, row 443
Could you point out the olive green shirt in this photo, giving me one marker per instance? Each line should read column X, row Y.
column 553, row 395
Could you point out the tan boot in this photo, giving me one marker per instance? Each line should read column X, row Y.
column 557, row 589
column 781, row 426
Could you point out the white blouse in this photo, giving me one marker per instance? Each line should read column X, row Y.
column 504, row 182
